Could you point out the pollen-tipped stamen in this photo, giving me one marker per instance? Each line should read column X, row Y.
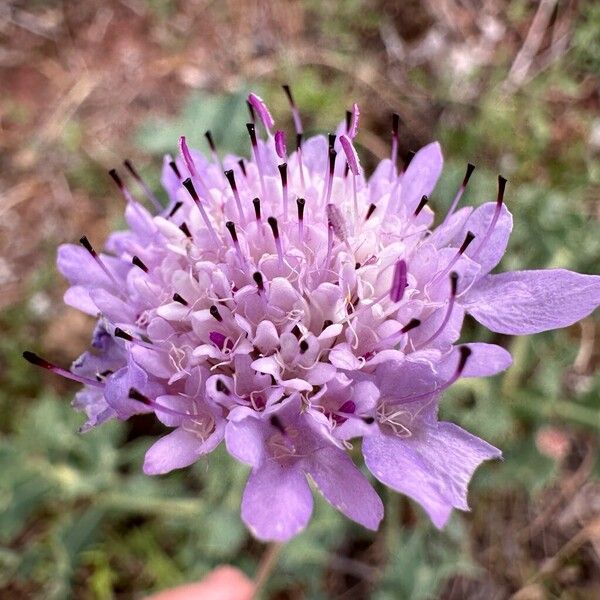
column 86, row 244
column 189, row 186
column 38, row 361
column 448, row 314
column 284, row 189
column 145, row 187
column 275, row 229
column 238, row 201
column 496, row 215
column 460, row 192
column 464, row 352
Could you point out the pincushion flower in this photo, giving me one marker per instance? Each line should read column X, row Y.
column 287, row 305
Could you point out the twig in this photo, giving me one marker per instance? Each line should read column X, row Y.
column 267, row 564
column 531, row 45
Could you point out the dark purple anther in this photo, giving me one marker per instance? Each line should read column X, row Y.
column 258, row 279
column 186, row 230
column 283, row 173
column 38, row 361
column 242, row 164
column 214, row 312
column 175, row 208
column 295, row 111
column 179, row 299
column 370, row 211
column 86, row 244
column 460, row 192
column 238, row 201
column 175, row 169
column 412, row 324
column 137, row 261
column 421, row 206
column 256, row 203
column 189, row 186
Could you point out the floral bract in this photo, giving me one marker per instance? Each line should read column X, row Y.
column 288, row 305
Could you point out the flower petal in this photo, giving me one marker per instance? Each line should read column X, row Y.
column 178, row 449
column 277, row 502
column 345, row 487
column 422, row 175
column 433, row 465
column 525, row 302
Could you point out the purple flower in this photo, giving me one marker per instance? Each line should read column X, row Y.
column 289, row 304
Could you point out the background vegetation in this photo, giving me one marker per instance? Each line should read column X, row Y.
column 511, row 85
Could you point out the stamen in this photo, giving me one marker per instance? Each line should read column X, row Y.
column 436, row 333
column 412, row 324
column 251, row 111
column 119, row 333
column 242, row 164
column 186, row 230
column 175, row 169
column 189, row 186
column 332, row 157
column 178, row 298
column 256, row 154
column 468, row 239
column 275, row 228
column 295, row 111
column 300, row 203
column 137, row 395
column 122, row 187
column 422, row 203
column 399, row 281
column 460, row 192
column 137, row 261
column 86, row 244
column 38, row 361
column 465, row 352
column 230, row 225
column 175, row 208
column 222, row 388
column 214, row 311
column 284, row 188
column 149, row 193
column 394, row 339
column 256, row 203
column 213, row 148
column 258, row 279
column 498, row 209
column 231, row 179
column 370, row 211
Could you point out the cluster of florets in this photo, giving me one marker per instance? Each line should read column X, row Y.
column 289, row 306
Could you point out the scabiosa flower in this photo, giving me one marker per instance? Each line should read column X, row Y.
column 288, row 305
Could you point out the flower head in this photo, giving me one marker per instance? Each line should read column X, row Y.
column 288, row 304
